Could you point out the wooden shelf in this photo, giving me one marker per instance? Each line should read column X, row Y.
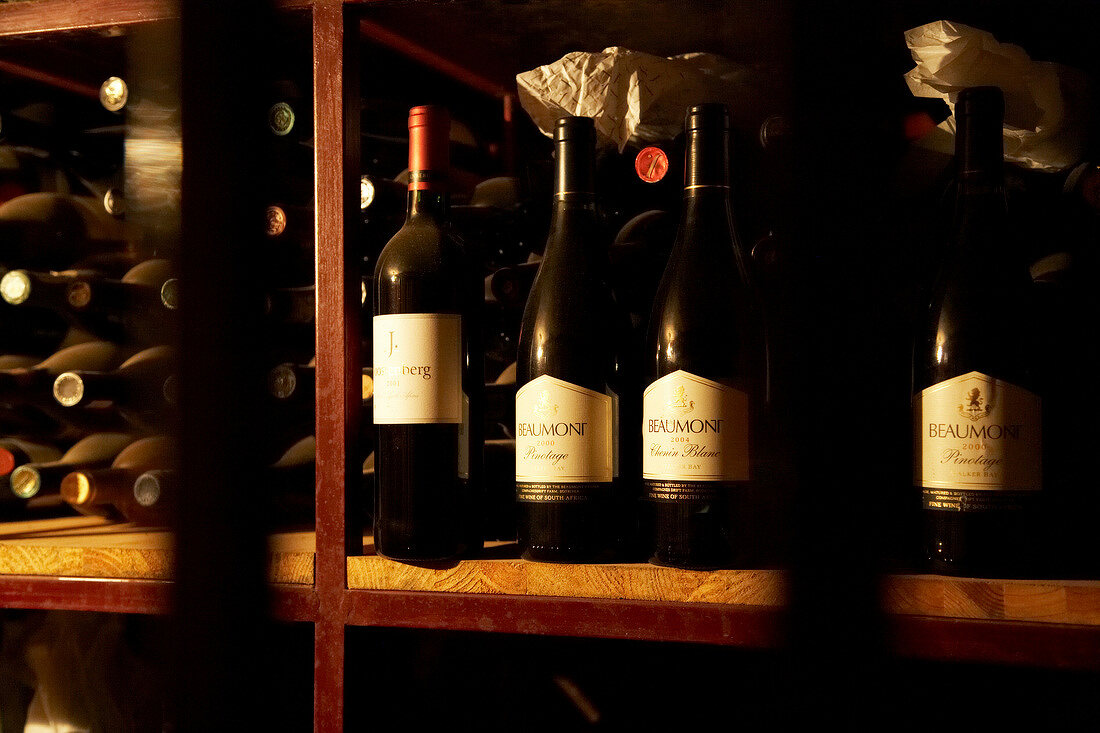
column 1048, row 623
column 93, row 547
column 501, row 572
column 1038, row 601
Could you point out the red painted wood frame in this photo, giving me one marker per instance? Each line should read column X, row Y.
column 339, row 373
column 336, row 30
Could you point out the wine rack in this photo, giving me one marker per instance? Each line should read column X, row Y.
column 330, row 577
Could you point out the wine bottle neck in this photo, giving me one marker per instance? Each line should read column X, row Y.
column 707, row 209
column 979, row 151
column 707, row 164
column 91, row 487
column 78, row 389
column 574, row 238
column 430, row 204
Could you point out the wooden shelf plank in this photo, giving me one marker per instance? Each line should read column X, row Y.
column 93, row 547
column 1044, row 601
column 503, row 573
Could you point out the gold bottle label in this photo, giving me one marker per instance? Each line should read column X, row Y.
column 417, row 368
column 974, row 432
column 694, row 429
column 564, row 433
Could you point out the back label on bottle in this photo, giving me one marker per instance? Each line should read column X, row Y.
column 564, row 434
column 694, row 429
column 974, row 432
column 417, row 368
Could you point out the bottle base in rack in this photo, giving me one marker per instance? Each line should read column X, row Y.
column 988, row 544
column 573, row 532
column 699, row 535
column 418, row 556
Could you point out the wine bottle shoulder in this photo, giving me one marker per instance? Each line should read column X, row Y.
column 979, row 319
column 419, row 247
column 420, row 270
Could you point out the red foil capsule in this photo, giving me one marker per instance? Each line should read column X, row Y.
column 429, row 148
column 7, row 462
column 651, row 165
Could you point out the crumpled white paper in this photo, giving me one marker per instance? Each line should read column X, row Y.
column 1043, row 100
column 633, row 94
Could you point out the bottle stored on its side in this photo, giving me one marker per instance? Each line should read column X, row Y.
column 44, row 479
column 706, row 372
column 977, row 418
column 14, row 453
column 52, row 231
column 425, row 380
column 143, row 387
column 110, row 491
column 126, row 310
column 572, row 500
column 31, row 332
column 34, row 385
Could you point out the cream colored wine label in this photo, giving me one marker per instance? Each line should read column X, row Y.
column 564, row 433
column 417, row 368
column 974, row 432
column 694, row 429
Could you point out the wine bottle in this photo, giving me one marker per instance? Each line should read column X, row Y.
column 511, row 285
column 109, row 491
column 114, row 93
column 142, row 388
column 706, row 366
column 33, row 332
column 34, row 385
column 50, row 231
column 14, row 453
column 40, row 479
column 157, row 490
column 18, row 361
column 127, row 310
column 571, row 496
column 976, row 415
column 426, row 376
column 291, row 306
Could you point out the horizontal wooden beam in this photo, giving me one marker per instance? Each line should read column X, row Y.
column 85, row 594
column 746, row 626
column 43, row 16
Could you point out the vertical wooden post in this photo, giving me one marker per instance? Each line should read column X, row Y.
column 339, row 372
column 222, row 639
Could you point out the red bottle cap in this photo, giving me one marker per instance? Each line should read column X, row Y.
column 651, row 164
column 429, row 147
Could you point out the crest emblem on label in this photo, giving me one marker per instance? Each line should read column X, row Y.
column 694, row 429
column 545, row 407
column 975, row 406
column 679, row 404
column 976, row 432
column 564, row 433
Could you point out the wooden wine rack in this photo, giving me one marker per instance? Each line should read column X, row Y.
column 332, row 578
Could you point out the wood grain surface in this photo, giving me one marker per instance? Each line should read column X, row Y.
column 503, row 573
column 93, row 547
